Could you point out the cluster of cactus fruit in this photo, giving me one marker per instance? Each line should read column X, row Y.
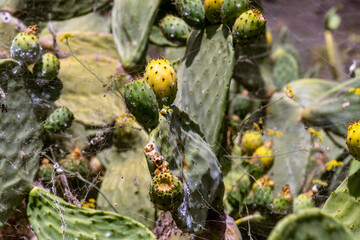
column 193, row 111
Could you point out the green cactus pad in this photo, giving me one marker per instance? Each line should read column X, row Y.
column 310, row 224
column 213, row 10
column 166, row 192
column 10, row 27
column 249, row 27
column 175, row 29
column 25, row 48
column 204, row 78
column 52, row 218
column 47, row 67
column 343, row 203
column 141, row 101
column 57, row 10
column 286, row 69
column 21, row 140
column 192, row 11
column 303, row 201
column 131, row 24
column 231, row 9
column 179, row 140
column 59, row 120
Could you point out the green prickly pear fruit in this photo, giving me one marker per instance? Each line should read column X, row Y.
column 59, row 120
column 249, row 27
column 353, row 140
column 166, row 191
column 76, row 162
column 46, row 170
column 192, row 11
column 231, row 9
column 175, row 29
column 141, row 101
column 163, row 81
column 26, row 47
column 240, row 105
column 262, row 192
column 303, row 201
column 250, row 141
column 264, row 153
column 47, row 67
column 213, row 10
column 239, row 192
column 284, row 200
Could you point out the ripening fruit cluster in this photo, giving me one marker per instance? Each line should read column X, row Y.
column 247, row 23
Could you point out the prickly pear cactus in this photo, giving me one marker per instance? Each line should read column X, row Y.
column 192, row 11
column 249, row 27
column 53, row 218
column 179, row 140
column 300, row 226
column 207, row 65
column 213, row 10
column 231, row 9
column 175, row 29
column 343, row 203
column 47, row 67
column 166, row 191
column 57, row 10
column 59, row 120
column 162, row 79
column 141, row 101
column 21, row 140
column 352, row 140
column 286, row 69
column 26, row 47
column 131, row 23
column 301, row 202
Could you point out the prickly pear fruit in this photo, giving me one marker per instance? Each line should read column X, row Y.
column 213, row 10
column 303, row 201
column 59, row 120
column 192, row 11
column 240, row 105
column 231, row 9
column 250, row 141
column 47, row 67
column 236, row 196
column 141, row 101
column 265, row 153
column 175, row 29
column 163, row 81
column 46, row 170
column 249, row 27
column 25, row 47
column 353, row 140
column 166, row 191
column 284, row 200
column 262, row 192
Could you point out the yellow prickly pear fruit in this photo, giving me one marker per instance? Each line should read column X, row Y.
column 161, row 77
column 213, row 10
column 250, row 141
column 353, row 140
column 264, row 153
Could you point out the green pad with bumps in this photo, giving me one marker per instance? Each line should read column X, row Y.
column 179, row 140
column 204, row 79
column 53, row 218
column 310, row 224
column 131, row 23
column 20, row 138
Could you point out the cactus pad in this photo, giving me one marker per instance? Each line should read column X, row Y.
column 175, row 29
column 163, row 81
column 141, row 101
column 300, row 226
column 249, row 27
column 286, row 69
column 47, row 67
column 52, row 218
column 59, row 120
column 166, row 191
